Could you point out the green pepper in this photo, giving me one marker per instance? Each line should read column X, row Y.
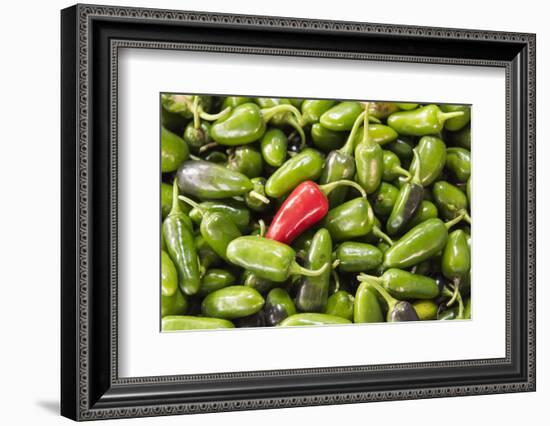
column 407, row 203
column 262, row 285
column 341, row 116
column 234, row 210
column 354, row 218
column 357, row 257
column 450, row 200
column 211, row 181
column 402, row 147
column 312, row 319
column 307, row 165
column 216, row 279
column 197, row 137
column 178, row 236
column 340, row 304
column 274, row 146
column 462, row 138
column 278, row 306
column 169, row 275
column 268, row 259
column 383, row 199
column 218, row 231
column 432, row 156
column 232, row 302
column 459, row 163
column 235, row 101
column 173, row 151
column 406, row 106
column 246, row 160
column 427, row 210
column 425, row 309
column 456, row 123
column 166, row 201
column 455, row 262
column 325, row 139
column 312, row 109
column 397, row 310
column 369, row 160
column 246, row 123
column 427, row 120
column 186, row 322
column 379, row 134
column 175, row 304
column 392, row 167
column 382, row 110
column 406, row 285
column 366, row 308
column 313, row 291
column 420, row 243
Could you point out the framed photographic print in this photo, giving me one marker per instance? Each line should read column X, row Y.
column 263, row 212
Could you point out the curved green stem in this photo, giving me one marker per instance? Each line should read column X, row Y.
column 467, row 217
column 196, row 113
column 327, row 188
column 213, row 117
column 191, row 202
column 336, row 279
column 268, row 113
column 296, row 269
column 444, row 116
column 296, row 126
column 262, row 227
column 175, row 194
column 194, row 157
column 381, row 234
column 456, row 220
column 366, row 139
column 336, row 263
column 456, row 291
column 208, row 146
column 259, row 197
column 349, row 146
column 460, row 307
column 373, row 281
column 374, row 120
column 400, row 170
column 416, row 177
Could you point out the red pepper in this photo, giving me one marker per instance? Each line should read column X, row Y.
column 306, row 205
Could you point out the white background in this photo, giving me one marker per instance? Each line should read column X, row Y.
column 29, row 225
column 141, row 345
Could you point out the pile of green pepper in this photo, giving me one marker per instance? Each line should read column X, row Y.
column 292, row 212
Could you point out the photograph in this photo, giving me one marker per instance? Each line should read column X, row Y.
column 281, row 212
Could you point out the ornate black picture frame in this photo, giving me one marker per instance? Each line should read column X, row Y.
column 91, row 36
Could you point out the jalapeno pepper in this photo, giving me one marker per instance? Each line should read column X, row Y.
column 341, row 116
column 459, row 163
column 234, row 210
column 304, row 207
column 425, row 309
column 462, row 138
column 166, row 192
column 278, row 306
column 178, row 236
column 383, row 199
column 176, row 304
column 427, row 210
column 312, row 109
column 306, row 165
column 420, row 243
column 369, row 160
column 206, row 180
column 450, row 200
column 427, row 120
column 459, row 122
column 216, row 279
column 312, row 319
column 378, row 134
column 235, row 101
column 173, row 151
column 406, row 285
column 197, row 137
column 186, row 322
column 268, row 259
column 313, row 290
column 392, row 167
column 432, row 156
column 246, row 160
column 232, row 302
column 366, row 307
column 407, row 203
column 357, row 257
column 325, row 139
column 274, row 145
column 340, row 304
column 246, row 123
column 455, row 262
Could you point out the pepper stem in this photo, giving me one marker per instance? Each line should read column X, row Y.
column 456, row 220
column 208, row 146
column 336, row 263
column 262, row 227
column 381, row 234
column 296, row 126
column 192, row 203
column 268, row 113
column 467, row 217
column 175, row 204
column 259, row 197
column 444, row 116
column 456, row 292
column 460, row 307
column 349, row 146
column 213, row 117
column 327, row 188
column 400, row 170
column 373, row 282
column 336, row 279
column 196, row 113
column 416, row 176
column 296, row 269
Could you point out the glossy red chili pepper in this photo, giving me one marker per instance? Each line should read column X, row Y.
column 306, row 205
